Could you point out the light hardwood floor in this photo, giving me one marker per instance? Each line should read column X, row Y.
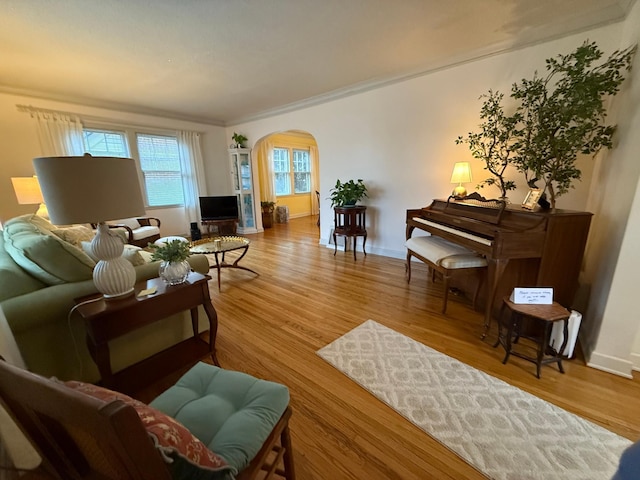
column 271, row 326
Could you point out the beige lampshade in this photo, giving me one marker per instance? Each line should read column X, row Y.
column 461, row 173
column 89, row 189
column 27, row 190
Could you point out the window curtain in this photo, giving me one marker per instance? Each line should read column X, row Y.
column 193, row 179
column 315, row 179
column 59, row 134
column 265, row 171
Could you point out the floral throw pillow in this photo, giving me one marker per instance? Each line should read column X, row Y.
column 169, row 436
column 74, row 234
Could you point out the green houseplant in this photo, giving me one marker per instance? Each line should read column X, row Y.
column 174, row 268
column 347, row 193
column 561, row 115
column 494, row 143
column 268, row 208
column 239, row 139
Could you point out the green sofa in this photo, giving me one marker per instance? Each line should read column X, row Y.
column 40, row 275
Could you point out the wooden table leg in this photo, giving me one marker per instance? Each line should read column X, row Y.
column 212, row 315
column 514, row 322
column 218, row 267
column 101, row 355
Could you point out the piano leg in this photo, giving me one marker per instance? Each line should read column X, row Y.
column 496, row 269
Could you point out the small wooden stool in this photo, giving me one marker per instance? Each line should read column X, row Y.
column 545, row 314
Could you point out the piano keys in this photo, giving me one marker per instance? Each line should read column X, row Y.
column 523, row 248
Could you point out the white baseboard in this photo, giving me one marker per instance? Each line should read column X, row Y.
column 607, row 363
column 635, row 360
column 300, row 215
column 328, row 242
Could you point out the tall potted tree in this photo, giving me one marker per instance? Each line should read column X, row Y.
column 562, row 115
column 493, row 144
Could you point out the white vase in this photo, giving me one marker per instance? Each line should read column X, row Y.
column 174, row 273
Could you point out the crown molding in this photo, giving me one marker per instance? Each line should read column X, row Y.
column 107, row 105
column 374, row 84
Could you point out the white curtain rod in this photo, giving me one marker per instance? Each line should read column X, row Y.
column 97, row 119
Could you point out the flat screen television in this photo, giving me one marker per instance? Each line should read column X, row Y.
column 219, row 208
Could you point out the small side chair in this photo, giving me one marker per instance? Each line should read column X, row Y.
column 138, row 231
column 82, row 431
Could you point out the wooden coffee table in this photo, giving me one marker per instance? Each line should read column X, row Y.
column 220, row 246
column 106, row 320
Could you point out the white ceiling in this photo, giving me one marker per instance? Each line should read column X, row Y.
column 223, row 61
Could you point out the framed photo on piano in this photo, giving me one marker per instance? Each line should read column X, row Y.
column 531, row 200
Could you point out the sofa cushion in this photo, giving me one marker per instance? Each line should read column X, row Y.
column 14, row 280
column 169, row 436
column 42, row 254
column 144, row 232
column 41, row 223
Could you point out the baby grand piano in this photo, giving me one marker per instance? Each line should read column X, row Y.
column 523, row 248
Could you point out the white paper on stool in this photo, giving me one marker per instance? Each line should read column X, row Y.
column 532, row 296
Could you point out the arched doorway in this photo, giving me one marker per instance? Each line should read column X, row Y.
column 288, row 173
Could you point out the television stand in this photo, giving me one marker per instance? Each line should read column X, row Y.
column 216, row 228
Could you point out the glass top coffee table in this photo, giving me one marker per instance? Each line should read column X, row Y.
column 221, row 245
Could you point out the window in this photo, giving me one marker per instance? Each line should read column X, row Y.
column 301, row 171
column 297, row 162
column 159, row 161
column 104, row 143
column 282, row 171
column 160, row 164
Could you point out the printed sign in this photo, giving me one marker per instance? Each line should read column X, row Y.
column 532, row 296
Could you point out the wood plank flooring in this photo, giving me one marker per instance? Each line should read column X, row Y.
column 271, row 326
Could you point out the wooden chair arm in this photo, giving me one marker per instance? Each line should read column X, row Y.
column 146, row 222
column 118, row 225
column 126, row 227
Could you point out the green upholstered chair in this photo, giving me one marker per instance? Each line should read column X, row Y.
column 81, row 433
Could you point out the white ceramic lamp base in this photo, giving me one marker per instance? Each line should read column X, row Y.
column 113, row 275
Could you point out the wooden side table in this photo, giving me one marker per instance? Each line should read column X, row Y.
column 220, row 227
column 106, row 320
column 544, row 316
column 350, row 222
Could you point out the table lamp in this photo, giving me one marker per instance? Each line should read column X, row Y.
column 27, row 190
column 93, row 190
column 461, row 174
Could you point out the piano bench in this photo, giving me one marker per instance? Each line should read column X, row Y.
column 446, row 258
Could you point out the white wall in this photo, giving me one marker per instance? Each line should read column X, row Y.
column 20, row 145
column 401, row 140
column 615, row 260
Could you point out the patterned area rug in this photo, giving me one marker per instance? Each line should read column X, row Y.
column 504, row 432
